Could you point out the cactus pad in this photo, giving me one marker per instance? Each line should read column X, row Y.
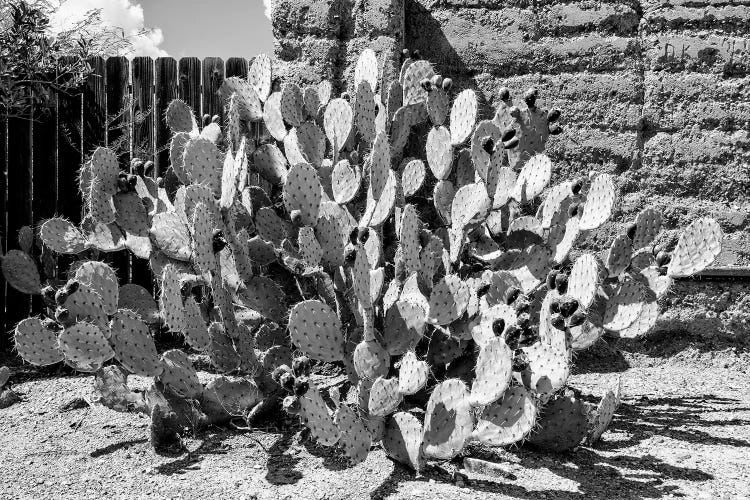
column 584, row 280
column 412, row 374
column 599, row 202
column 62, row 237
column 84, row 346
column 384, row 397
column 448, row 300
column 270, row 163
column 133, row 345
column 316, row 330
column 302, row 192
column 345, row 182
column 102, row 279
column 337, row 122
column 533, row 179
column 439, row 152
column 37, row 344
column 412, row 176
column 273, row 118
column 404, row 325
column 366, row 69
column 354, row 437
column 697, row 248
column 20, row 272
column 403, row 440
column 508, row 420
column 562, row 424
column 178, row 375
column 647, row 227
column 180, row 117
column 493, row 372
column 463, row 116
column 316, row 416
column 260, row 75
column 292, row 105
column 624, row 306
column 448, row 420
column 365, row 111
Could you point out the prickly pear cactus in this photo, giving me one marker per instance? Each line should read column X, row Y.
column 386, row 234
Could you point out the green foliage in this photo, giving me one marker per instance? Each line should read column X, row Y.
column 467, row 305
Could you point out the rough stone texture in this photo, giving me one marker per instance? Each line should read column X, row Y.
column 654, row 91
column 322, row 39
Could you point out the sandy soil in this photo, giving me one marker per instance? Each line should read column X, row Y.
column 683, row 430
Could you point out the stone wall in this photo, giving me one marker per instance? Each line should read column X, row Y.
column 654, row 91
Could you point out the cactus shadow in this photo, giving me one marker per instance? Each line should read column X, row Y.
column 111, row 448
column 680, row 418
column 281, row 466
column 212, row 445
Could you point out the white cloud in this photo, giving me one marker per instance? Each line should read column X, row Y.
column 269, row 7
column 122, row 14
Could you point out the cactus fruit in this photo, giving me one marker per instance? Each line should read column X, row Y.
column 450, row 275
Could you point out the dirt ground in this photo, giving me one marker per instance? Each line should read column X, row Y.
column 683, row 430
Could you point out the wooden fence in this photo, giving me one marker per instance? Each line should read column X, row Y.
column 121, row 106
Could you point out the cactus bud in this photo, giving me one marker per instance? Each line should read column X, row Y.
column 551, row 276
column 555, row 129
column 148, row 168
column 483, row 289
column 291, row 405
column 503, row 94
column 577, row 319
column 662, row 258
column 520, row 361
column 512, row 336
column 350, row 255
column 216, row 119
column 48, row 294
column 514, row 112
column 522, row 305
column 530, row 97
column 511, row 144
column 132, row 181
column 568, row 306
column 137, row 166
column 511, row 294
column 657, row 249
column 206, row 120
column 364, row 235
column 488, row 144
column 353, row 235
column 122, row 184
column 447, row 84
column 287, row 380
column 61, row 296
column 51, row 324
column 345, row 96
column 399, row 269
column 498, row 326
column 524, row 321
column 406, row 53
column 437, row 81
column 354, row 157
column 301, row 386
column 416, row 55
column 63, row 316
column 301, row 366
column 554, row 307
column 528, row 337
column 577, row 186
column 219, row 242
column 278, row 372
column 508, row 134
column 573, row 209
column 71, row 287
column 558, row 322
column 561, row 283
column 553, row 115
column 630, row 230
column 296, row 217
column 160, row 182
column 426, row 84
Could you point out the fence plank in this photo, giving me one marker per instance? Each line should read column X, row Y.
column 144, row 113
column 190, row 84
column 69, row 153
column 236, row 66
column 165, row 86
column 118, row 137
column 20, row 172
column 95, row 107
column 44, row 201
column 4, row 345
column 213, row 77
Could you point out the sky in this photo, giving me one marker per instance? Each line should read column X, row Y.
column 199, row 28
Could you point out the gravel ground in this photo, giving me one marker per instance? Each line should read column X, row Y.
column 683, row 430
